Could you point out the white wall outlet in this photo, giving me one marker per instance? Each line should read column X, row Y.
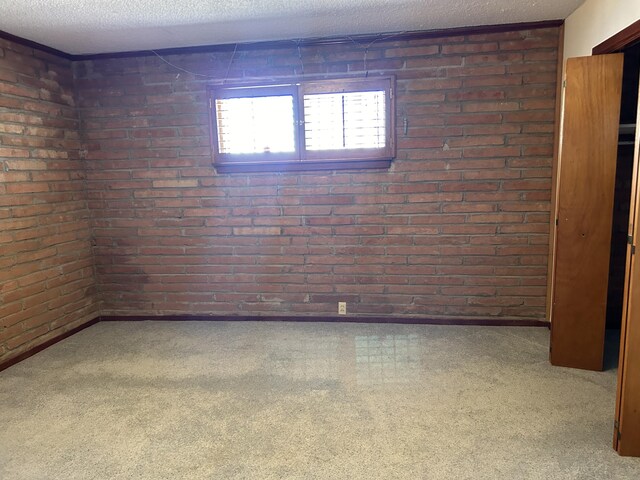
column 342, row 308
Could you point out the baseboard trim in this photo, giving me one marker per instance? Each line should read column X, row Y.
column 52, row 341
column 480, row 322
column 484, row 322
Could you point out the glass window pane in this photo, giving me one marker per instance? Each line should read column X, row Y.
column 255, row 124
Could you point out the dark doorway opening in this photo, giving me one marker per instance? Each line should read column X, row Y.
column 620, row 225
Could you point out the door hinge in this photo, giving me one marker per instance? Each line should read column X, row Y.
column 616, row 428
column 564, row 84
column 391, row 92
column 210, row 103
column 556, row 222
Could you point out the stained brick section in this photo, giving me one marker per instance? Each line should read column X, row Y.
column 47, row 282
column 458, row 227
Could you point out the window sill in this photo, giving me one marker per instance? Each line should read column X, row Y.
column 297, row 166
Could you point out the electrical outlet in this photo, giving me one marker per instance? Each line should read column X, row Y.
column 342, row 308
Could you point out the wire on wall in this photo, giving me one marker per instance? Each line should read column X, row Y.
column 204, row 75
column 370, row 44
column 177, row 67
column 233, row 55
column 298, row 44
column 300, row 57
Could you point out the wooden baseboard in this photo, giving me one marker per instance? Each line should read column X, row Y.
column 490, row 322
column 485, row 322
column 52, row 341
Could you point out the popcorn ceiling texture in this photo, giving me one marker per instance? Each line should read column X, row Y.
column 122, row 25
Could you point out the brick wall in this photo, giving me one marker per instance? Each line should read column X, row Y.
column 458, row 227
column 47, row 284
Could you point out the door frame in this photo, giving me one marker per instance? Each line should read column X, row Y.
column 555, row 177
column 614, row 44
column 629, row 289
column 619, row 41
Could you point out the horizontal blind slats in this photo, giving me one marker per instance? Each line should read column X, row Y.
column 338, row 121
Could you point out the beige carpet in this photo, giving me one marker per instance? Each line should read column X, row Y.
column 160, row 400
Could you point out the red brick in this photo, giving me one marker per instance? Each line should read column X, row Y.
column 47, row 192
column 27, row 187
column 175, row 183
column 470, row 48
column 482, row 118
column 412, row 51
column 13, row 152
column 256, row 231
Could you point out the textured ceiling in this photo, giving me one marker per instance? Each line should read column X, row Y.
column 101, row 26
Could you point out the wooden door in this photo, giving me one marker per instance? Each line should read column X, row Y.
column 626, row 438
column 587, row 167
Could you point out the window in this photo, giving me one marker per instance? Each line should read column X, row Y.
column 324, row 124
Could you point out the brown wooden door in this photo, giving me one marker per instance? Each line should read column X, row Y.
column 626, row 439
column 587, row 166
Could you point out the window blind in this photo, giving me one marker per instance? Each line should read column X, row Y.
column 338, row 121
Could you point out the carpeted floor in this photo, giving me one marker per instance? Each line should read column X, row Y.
column 162, row 400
